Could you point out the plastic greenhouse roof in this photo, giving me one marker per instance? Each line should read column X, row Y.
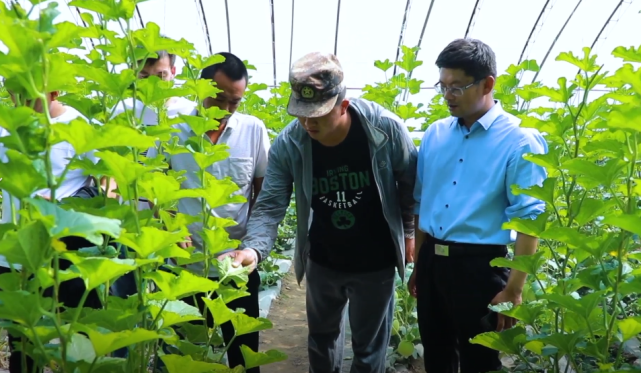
column 272, row 33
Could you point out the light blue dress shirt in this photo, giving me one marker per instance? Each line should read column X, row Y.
column 463, row 183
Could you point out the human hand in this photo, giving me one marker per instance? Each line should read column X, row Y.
column 411, row 284
column 186, row 243
column 409, row 250
column 506, row 295
column 245, row 257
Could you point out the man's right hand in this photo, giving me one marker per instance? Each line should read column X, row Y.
column 245, row 257
column 185, row 244
column 411, row 284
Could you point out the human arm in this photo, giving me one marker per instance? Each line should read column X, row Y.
column 524, row 174
column 269, row 210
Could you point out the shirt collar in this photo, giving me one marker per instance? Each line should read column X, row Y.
column 490, row 117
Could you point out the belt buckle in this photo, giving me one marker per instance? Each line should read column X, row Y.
column 441, row 250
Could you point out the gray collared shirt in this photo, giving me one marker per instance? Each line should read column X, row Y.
column 249, row 144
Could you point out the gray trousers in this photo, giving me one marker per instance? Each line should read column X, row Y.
column 371, row 310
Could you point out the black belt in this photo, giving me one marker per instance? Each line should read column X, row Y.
column 448, row 248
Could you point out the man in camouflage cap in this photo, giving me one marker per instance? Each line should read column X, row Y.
column 353, row 164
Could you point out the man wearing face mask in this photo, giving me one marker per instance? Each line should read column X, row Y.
column 353, row 164
column 248, row 143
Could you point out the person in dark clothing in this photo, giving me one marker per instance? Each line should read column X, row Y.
column 353, row 165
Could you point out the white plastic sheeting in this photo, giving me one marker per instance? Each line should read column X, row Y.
column 369, row 30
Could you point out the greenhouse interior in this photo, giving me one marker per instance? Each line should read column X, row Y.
column 275, row 186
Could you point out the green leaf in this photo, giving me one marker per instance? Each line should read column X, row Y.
column 181, row 364
column 185, row 284
column 105, row 343
column 407, row 111
column 178, row 221
column 115, row 85
column 627, row 222
column 200, row 125
column 85, row 137
column 256, row 359
column 219, row 192
column 507, row 341
column 566, row 343
column 630, row 54
column 244, row 324
column 202, row 88
column 22, row 307
column 529, row 264
column 625, row 116
column 532, row 227
column 586, row 63
column 589, row 209
column 549, row 160
column 79, row 348
column 163, row 189
column 528, row 313
column 151, row 39
column 30, row 179
column 384, row 65
column 561, row 94
column 220, row 312
column 217, row 238
column 544, row 193
column 174, row 312
column 151, row 239
column 63, row 223
column 227, row 272
column 604, row 175
column 629, row 327
column 123, row 169
column 229, row 293
column 571, row 237
column 582, row 307
column 35, row 242
column 408, row 61
column 97, row 271
column 112, row 319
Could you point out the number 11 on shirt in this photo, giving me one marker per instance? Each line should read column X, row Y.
column 340, row 196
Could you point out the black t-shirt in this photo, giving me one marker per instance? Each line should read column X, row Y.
column 349, row 231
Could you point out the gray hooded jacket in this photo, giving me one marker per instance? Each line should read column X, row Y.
column 290, row 168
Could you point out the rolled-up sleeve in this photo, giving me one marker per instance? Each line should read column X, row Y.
column 525, row 174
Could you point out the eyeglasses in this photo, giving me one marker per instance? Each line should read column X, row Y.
column 455, row 91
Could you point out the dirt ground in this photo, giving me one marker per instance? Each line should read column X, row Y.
column 289, row 333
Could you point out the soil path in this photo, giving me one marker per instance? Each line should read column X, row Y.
column 289, row 333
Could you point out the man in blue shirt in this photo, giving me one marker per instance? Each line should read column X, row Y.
column 467, row 164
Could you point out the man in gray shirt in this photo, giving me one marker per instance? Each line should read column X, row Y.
column 248, row 143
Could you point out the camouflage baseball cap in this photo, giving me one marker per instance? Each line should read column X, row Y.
column 317, row 82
